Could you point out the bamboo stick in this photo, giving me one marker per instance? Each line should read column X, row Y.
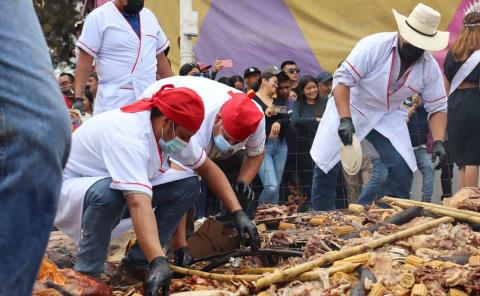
column 260, row 270
column 433, row 205
column 460, row 215
column 215, row 276
column 292, row 272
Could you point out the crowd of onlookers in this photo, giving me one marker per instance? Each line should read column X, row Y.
column 293, row 106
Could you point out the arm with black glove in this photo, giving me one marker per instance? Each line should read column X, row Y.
column 346, row 130
column 244, row 225
column 78, row 104
column 439, row 152
column 244, row 193
column 158, row 277
column 183, row 257
column 218, row 183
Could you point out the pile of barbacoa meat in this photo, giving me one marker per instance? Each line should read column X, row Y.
column 442, row 261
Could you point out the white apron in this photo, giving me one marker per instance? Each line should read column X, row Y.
column 126, row 63
column 70, row 206
column 372, row 106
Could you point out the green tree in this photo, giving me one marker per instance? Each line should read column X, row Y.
column 57, row 18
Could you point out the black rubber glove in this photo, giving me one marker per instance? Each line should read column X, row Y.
column 183, row 257
column 244, row 193
column 346, row 130
column 158, row 277
column 244, row 225
column 78, row 104
column 439, row 151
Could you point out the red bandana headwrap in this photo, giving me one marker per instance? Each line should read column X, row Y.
column 182, row 105
column 240, row 116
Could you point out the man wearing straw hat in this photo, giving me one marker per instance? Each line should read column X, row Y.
column 369, row 87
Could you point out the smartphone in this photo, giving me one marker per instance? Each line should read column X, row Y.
column 279, row 109
column 227, row 63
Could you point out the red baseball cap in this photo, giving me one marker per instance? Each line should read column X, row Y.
column 182, row 105
column 240, row 116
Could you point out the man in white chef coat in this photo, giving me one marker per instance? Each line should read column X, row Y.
column 117, row 168
column 370, row 86
column 233, row 131
column 127, row 44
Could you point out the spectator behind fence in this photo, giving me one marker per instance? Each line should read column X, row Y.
column 67, row 86
column 271, row 170
column 325, row 80
column 189, row 69
column 237, row 82
column 251, row 75
column 92, row 84
column 463, row 100
column 290, row 68
column 307, row 113
column 418, row 129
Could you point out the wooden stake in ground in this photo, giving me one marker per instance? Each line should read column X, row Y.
column 460, row 215
column 292, row 272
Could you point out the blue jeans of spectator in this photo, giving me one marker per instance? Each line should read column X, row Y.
column 324, row 191
column 425, row 165
column 34, row 146
column 400, row 176
column 105, row 207
column 375, row 187
column 271, row 170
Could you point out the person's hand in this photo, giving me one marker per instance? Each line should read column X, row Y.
column 275, row 129
column 244, row 193
column 269, row 112
column 78, row 104
column 158, row 277
column 244, row 225
column 346, row 130
column 183, row 257
column 439, row 152
column 217, row 66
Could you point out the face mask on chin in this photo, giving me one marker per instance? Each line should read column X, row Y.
column 409, row 53
column 133, row 6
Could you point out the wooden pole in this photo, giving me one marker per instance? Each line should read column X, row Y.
column 215, row 276
column 291, row 273
column 432, row 205
column 461, row 215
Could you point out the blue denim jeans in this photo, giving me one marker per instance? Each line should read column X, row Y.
column 425, row 165
column 324, row 188
column 400, row 176
column 105, row 207
column 375, row 187
column 34, row 146
column 271, row 170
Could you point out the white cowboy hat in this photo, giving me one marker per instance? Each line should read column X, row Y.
column 351, row 156
column 420, row 28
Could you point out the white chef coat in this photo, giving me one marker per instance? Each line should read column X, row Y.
column 126, row 64
column 214, row 95
column 376, row 95
column 113, row 144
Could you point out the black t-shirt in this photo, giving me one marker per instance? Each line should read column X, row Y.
column 281, row 118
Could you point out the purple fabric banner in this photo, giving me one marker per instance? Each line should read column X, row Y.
column 253, row 33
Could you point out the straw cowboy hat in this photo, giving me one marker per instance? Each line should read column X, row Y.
column 420, row 28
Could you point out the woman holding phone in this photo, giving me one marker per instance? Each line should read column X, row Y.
column 271, row 170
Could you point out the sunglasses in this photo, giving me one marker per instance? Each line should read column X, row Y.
column 293, row 70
